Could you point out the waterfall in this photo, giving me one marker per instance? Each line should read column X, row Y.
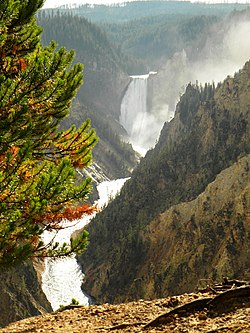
column 133, row 115
column 62, row 278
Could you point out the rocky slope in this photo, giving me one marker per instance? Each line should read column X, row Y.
column 210, row 133
column 21, row 294
column 175, row 314
column 206, row 237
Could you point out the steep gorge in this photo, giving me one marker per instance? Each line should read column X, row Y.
column 19, row 289
column 209, row 133
column 207, row 237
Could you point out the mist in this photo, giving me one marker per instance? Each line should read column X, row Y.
column 218, row 60
column 226, row 50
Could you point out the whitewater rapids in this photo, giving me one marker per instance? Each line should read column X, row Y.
column 62, row 278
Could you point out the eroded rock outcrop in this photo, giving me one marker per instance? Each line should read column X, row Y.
column 203, row 238
column 21, row 294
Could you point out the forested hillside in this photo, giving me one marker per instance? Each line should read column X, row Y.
column 157, row 38
column 128, row 11
column 209, row 133
column 146, row 33
column 168, row 191
column 154, row 39
column 104, row 84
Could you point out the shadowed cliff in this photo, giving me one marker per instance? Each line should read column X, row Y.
column 209, row 133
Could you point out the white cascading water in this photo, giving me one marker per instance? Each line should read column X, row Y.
column 142, row 126
column 134, row 111
column 134, row 107
column 62, row 278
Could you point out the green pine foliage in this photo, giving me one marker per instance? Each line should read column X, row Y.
column 37, row 162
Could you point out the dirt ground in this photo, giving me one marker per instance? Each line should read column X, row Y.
column 135, row 317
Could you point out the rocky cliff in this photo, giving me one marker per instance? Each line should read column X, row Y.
column 207, row 237
column 21, row 294
column 169, row 227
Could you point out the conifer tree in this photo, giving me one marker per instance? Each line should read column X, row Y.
column 37, row 159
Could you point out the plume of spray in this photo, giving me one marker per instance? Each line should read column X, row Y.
column 223, row 57
column 226, row 50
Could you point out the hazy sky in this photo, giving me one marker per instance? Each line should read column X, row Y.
column 56, row 3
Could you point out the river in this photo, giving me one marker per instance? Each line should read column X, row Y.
column 62, row 278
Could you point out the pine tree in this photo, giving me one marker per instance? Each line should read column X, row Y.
column 38, row 161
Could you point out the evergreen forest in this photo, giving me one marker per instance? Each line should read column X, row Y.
column 183, row 214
